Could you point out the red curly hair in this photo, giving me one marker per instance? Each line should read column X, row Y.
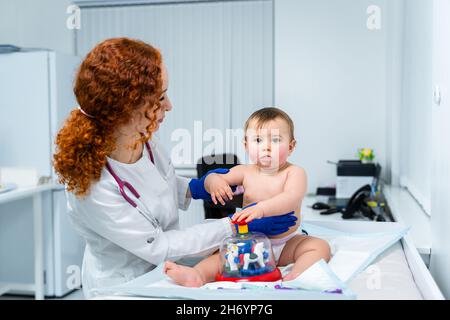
column 115, row 79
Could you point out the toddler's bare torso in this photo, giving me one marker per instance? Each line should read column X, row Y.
column 259, row 186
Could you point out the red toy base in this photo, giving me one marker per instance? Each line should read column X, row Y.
column 275, row 275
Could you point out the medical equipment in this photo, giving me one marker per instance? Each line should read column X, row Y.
column 136, row 203
column 247, row 256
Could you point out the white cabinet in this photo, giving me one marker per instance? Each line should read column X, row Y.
column 440, row 199
column 35, row 98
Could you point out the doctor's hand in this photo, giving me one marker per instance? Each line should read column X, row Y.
column 197, row 186
column 272, row 226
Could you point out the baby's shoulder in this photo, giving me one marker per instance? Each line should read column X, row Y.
column 246, row 167
column 247, row 170
column 293, row 170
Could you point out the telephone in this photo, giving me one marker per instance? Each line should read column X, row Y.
column 357, row 204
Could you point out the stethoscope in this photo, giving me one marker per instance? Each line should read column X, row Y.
column 136, row 203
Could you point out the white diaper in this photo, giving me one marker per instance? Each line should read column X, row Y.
column 279, row 243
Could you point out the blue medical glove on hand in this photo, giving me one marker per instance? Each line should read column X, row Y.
column 271, row 226
column 197, row 186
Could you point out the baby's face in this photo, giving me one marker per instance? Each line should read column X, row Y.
column 269, row 146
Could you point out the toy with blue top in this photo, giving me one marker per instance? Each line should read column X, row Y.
column 247, row 256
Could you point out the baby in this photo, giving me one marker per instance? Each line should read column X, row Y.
column 277, row 187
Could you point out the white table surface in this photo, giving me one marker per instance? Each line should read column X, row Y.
column 24, row 192
column 34, row 192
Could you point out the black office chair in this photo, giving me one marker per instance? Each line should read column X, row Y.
column 212, row 162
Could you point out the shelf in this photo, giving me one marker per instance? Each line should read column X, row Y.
column 406, row 210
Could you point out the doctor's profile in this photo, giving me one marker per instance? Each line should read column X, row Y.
column 122, row 190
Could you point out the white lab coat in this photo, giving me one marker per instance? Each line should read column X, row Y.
column 117, row 235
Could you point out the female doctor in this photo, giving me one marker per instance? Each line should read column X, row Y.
column 123, row 194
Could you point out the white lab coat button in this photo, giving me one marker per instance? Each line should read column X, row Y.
column 150, row 240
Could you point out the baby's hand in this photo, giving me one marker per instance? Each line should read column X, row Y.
column 218, row 188
column 254, row 212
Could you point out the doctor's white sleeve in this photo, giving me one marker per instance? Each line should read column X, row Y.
column 182, row 188
column 108, row 215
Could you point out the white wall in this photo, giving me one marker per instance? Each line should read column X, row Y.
column 440, row 200
column 417, row 100
column 330, row 76
column 36, row 24
column 394, row 20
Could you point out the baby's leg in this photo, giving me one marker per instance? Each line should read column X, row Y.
column 303, row 251
column 203, row 272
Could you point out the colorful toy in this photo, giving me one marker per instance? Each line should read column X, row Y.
column 247, row 257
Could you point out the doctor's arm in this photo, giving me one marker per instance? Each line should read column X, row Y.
column 293, row 192
column 115, row 220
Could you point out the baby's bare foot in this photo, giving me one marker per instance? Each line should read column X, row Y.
column 185, row 276
column 290, row 276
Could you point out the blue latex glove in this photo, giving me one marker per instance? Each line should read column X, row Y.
column 197, row 186
column 271, row 226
